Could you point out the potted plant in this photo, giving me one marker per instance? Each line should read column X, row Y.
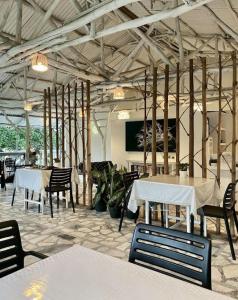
column 101, row 196
column 183, row 168
column 116, row 192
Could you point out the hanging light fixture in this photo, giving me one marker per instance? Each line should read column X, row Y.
column 81, row 113
column 39, row 62
column 123, row 115
column 27, row 106
column 118, row 93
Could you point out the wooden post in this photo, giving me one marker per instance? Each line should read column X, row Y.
column 89, row 167
column 204, row 117
column 62, row 131
column 70, row 132
column 83, row 145
column 177, row 120
column 45, row 129
column 56, row 124
column 76, row 139
column 234, row 141
column 166, row 105
column 219, row 124
column 50, row 127
column 191, row 120
column 154, row 122
column 145, row 124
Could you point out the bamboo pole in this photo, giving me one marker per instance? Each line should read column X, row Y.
column 166, row 104
column 177, row 121
column 154, row 122
column 191, row 120
column 83, row 145
column 204, row 117
column 56, row 124
column 45, row 129
column 62, row 131
column 50, row 127
column 89, row 167
column 145, row 124
column 70, row 130
column 219, row 124
column 177, row 131
column 76, row 139
column 234, row 141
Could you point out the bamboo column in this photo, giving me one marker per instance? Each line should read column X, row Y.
column 50, row 127
column 83, row 145
column 45, row 129
column 76, row 139
column 204, row 117
column 70, row 131
column 191, row 120
column 62, row 131
column 89, row 167
column 166, row 104
column 154, row 122
column 145, row 124
column 56, row 124
column 177, row 121
column 219, row 124
column 234, row 141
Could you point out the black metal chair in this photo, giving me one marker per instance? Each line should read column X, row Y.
column 11, row 253
column 60, row 181
column 2, row 175
column 10, row 165
column 178, row 254
column 226, row 212
column 128, row 179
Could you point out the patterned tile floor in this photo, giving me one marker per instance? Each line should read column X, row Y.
column 98, row 231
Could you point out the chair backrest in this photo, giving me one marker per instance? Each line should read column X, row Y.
column 229, row 196
column 129, row 178
column 60, row 177
column 10, row 163
column 11, row 252
column 179, row 254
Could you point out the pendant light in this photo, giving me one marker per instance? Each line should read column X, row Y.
column 27, row 106
column 118, row 93
column 39, row 62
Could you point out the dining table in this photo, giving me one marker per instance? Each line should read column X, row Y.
column 80, row 273
column 189, row 192
column 36, row 180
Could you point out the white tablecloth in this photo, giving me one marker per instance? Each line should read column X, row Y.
column 82, row 274
column 193, row 192
column 36, row 179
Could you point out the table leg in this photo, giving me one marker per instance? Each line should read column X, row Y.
column 166, row 208
column 188, row 218
column 205, row 227
column 147, row 219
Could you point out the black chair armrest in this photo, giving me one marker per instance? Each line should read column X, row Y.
column 36, row 254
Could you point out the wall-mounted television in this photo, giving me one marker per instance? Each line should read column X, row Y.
column 135, row 135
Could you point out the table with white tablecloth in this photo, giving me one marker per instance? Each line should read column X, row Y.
column 188, row 192
column 36, row 180
column 81, row 273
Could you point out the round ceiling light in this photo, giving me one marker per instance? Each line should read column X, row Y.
column 118, row 93
column 39, row 62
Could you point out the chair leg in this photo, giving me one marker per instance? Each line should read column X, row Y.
column 51, row 205
column 150, row 215
column 162, row 214
column 192, row 223
column 230, row 238
column 39, row 204
column 235, row 219
column 13, row 196
column 201, row 225
column 137, row 214
column 122, row 217
column 57, row 200
column 72, row 199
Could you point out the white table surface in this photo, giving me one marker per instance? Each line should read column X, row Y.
column 168, row 189
column 82, row 274
column 36, row 179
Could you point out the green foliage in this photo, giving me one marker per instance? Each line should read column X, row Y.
column 14, row 139
column 183, row 167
